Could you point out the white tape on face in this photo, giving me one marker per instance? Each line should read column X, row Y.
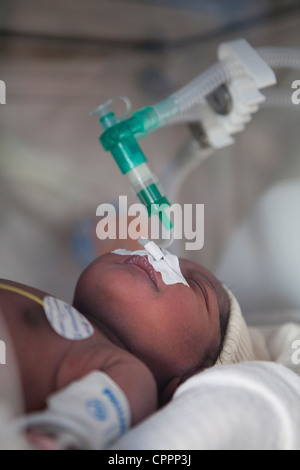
column 66, row 320
column 168, row 266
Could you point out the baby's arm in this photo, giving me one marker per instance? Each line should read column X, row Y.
column 124, row 382
column 137, row 383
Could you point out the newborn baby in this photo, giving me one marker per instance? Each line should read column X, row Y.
column 151, row 327
column 175, row 329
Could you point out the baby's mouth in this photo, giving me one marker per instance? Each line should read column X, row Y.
column 143, row 263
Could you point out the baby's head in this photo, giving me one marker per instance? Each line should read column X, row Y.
column 176, row 330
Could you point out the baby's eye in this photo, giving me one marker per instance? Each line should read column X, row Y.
column 194, row 281
column 201, row 288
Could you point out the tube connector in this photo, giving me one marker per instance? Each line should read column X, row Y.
column 120, row 136
column 141, row 122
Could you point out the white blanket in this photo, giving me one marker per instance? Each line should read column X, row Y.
column 246, row 406
column 252, row 405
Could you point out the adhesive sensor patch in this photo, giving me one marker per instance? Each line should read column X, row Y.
column 66, row 320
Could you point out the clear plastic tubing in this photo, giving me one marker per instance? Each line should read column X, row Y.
column 194, row 92
column 281, row 57
column 181, row 106
column 279, row 98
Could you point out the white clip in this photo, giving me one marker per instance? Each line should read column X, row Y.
column 244, row 92
column 152, row 248
column 255, row 67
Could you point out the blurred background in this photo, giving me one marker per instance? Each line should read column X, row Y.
column 62, row 58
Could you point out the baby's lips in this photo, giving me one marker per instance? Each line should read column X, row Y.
column 143, row 263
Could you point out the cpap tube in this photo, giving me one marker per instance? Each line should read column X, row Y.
column 121, row 134
column 281, row 57
column 182, row 107
column 120, row 138
column 173, row 109
column 279, row 98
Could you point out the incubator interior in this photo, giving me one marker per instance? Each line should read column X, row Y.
column 60, row 59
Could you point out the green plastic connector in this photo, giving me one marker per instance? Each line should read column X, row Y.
column 121, row 138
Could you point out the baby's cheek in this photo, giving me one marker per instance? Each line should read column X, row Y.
column 182, row 319
column 179, row 306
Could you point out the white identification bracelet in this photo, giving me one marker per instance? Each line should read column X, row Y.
column 93, row 410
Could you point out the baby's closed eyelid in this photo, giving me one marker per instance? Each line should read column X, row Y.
column 202, row 290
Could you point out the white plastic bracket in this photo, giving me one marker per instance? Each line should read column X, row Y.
column 255, row 67
column 255, row 75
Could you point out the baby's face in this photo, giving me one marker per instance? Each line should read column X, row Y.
column 173, row 329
